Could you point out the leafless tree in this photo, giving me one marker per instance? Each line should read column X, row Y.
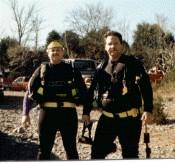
column 124, row 28
column 162, row 21
column 91, row 17
column 37, row 26
column 25, row 20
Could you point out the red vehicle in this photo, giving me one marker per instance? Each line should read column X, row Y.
column 20, row 84
column 155, row 75
column 7, row 83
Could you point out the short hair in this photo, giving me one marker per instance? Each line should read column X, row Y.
column 54, row 44
column 113, row 33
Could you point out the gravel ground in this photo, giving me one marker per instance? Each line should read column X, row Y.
column 21, row 145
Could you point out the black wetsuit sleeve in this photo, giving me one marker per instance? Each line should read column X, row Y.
column 30, row 93
column 34, row 84
column 146, row 90
column 84, row 99
column 92, row 88
column 27, row 104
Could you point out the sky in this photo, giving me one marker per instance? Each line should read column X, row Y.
column 54, row 13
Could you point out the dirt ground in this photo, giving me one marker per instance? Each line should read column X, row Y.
column 21, row 144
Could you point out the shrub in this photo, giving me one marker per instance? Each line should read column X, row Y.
column 159, row 115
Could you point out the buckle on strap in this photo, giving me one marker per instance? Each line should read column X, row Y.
column 56, row 105
column 133, row 112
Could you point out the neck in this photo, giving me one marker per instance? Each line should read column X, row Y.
column 55, row 63
column 116, row 58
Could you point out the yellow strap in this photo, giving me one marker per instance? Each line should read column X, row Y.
column 61, row 95
column 74, row 92
column 40, row 90
column 55, row 104
column 108, row 114
column 42, row 70
column 95, row 104
column 132, row 112
column 68, row 104
column 50, row 104
column 69, row 82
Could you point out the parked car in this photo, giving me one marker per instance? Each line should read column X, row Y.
column 20, row 84
column 87, row 67
column 7, row 83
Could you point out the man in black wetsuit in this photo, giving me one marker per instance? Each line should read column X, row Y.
column 121, row 84
column 57, row 87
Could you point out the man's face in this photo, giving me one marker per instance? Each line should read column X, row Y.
column 113, row 47
column 55, row 54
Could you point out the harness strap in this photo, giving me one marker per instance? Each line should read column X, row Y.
column 58, row 104
column 133, row 112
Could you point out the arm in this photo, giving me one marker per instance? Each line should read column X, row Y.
column 34, row 84
column 147, row 96
column 84, row 99
column 91, row 91
column 27, row 102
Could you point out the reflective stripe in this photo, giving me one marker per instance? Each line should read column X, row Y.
column 132, row 112
column 40, row 90
column 74, row 92
column 69, row 82
column 108, row 114
column 95, row 104
column 61, row 95
column 55, row 104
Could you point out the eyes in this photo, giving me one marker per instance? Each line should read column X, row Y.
column 53, row 50
column 113, row 44
column 113, row 41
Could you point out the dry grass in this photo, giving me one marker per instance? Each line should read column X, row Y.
column 163, row 92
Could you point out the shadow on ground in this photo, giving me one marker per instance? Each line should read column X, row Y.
column 17, row 149
column 13, row 148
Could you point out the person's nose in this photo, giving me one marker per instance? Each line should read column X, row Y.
column 112, row 46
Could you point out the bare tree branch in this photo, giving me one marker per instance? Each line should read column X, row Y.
column 26, row 21
column 89, row 18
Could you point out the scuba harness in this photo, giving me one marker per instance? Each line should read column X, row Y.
column 58, row 90
column 118, row 68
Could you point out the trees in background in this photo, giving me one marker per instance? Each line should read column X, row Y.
column 72, row 44
column 154, row 44
column 150, row 41
column 52, row 35
column 90, row 17
column 84, row 38
column 27, row 22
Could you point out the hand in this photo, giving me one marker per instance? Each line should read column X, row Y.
column 25, row 121
column 147, row 118
column 86, row 119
